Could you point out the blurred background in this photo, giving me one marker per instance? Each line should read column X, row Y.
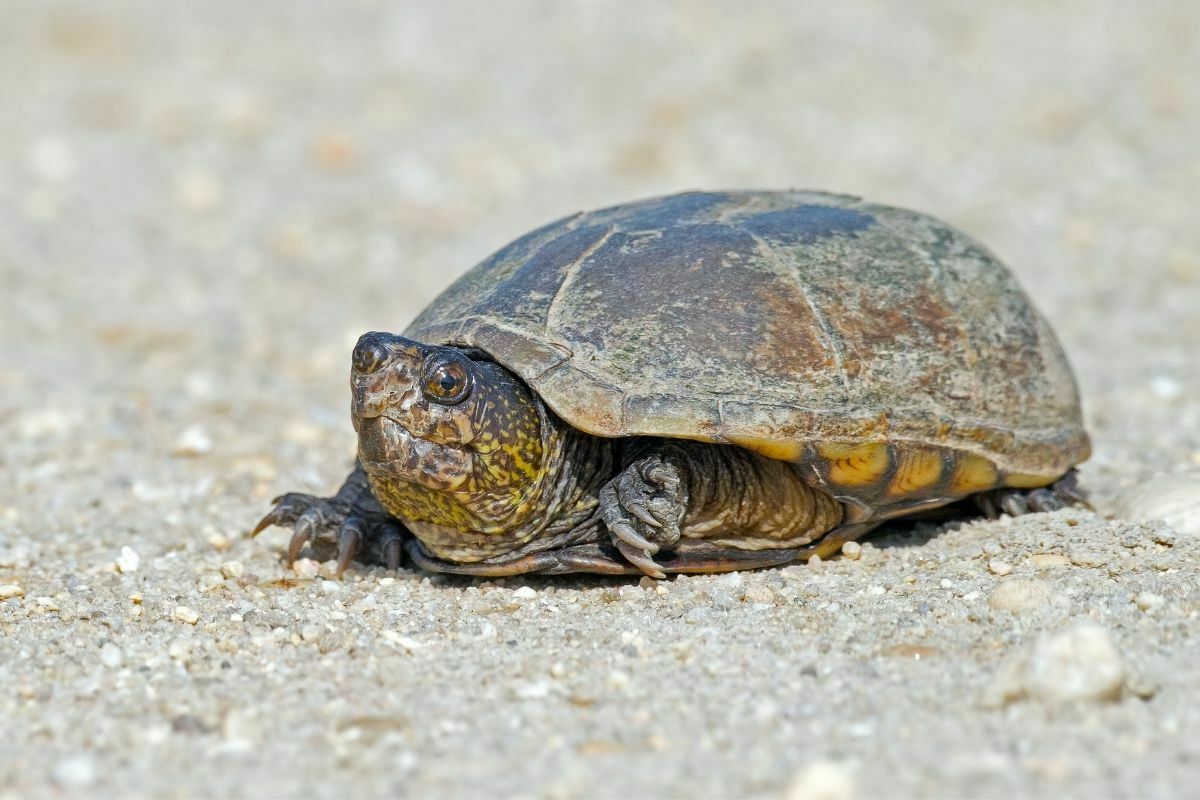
column 202, row 205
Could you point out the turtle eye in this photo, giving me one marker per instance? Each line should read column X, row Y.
column 447, row 382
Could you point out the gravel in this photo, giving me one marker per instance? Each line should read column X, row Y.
column 205, row 204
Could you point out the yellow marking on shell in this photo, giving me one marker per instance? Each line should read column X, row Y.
column 973, row 474
column 916, row 469
column 1023, row 480
column 855, row 464
column 771, row 448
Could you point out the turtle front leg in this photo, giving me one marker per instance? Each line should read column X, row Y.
column 351, row 523
column 644, row 506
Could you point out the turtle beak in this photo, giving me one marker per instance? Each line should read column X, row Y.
column 385, row 371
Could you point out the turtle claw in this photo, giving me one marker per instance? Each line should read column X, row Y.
column 300, row 538
column 641, row 559
column 643, row 507
column 345, row 527
column 349, row 541
column 392, row 546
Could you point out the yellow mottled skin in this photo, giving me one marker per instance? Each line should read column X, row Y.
column 475, row 478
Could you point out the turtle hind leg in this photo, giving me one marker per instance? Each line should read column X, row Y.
column 1064, row 492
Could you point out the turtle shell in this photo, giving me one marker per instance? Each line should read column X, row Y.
column 890, row 353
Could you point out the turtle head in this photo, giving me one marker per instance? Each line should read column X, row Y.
column 448, row 420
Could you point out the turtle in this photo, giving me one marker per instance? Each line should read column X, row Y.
column 696, row 383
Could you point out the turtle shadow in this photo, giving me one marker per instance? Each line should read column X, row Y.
column 919, row 530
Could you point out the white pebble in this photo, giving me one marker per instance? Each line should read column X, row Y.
column 525, row 593
column 999, row 566
column 758, row 594
column 331, row 587
column 1148, row 601
column 52, row 159
column 821, row 780
column 532, row 691
column 194, row 441
column 233, row 569
column 111, row 655
column 1173, row 500
column 1080, row 663
column 10, row 590
column 731, row 579
column 209, row 581
column 1165, row 387
column 1018, row 594
column 404, row 642
column 198, row 190
column 185, row 614
column 128, row 561
column 306, row 568
column 76, row 772
column 852, row 550
column 241, row 727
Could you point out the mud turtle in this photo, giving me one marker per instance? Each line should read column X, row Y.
column 697, row 383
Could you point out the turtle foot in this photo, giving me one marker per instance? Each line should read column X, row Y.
column 1016, row 502
column 348, row 526
column 643, row 508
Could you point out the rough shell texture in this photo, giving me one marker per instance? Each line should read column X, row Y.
column 774, row 320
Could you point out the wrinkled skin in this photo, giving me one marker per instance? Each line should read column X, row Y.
column 465, row 468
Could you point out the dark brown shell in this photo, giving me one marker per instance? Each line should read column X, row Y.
column 805, row 326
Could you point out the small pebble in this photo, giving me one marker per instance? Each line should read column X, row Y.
column 999, row 567
column 52, row 160
column 306, row 568
column 1018, row 594
column 821, row 780
column 209, row 581
column 111, row 655
column 404, row 642
column 10, row 590
column 76, row 772
column 1174, row 500
column 1148, row 601
column 198, row 190
column 193, row 442
column 128, row 561
column 535, row 690
column 185, row 614
column 852, row 550
column 1048, row 560
column 233, row 569
column 1080, row 663
column 758, row 594
column 311, row 633
column 525, row 593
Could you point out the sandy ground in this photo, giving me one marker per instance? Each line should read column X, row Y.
column 204, row 204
